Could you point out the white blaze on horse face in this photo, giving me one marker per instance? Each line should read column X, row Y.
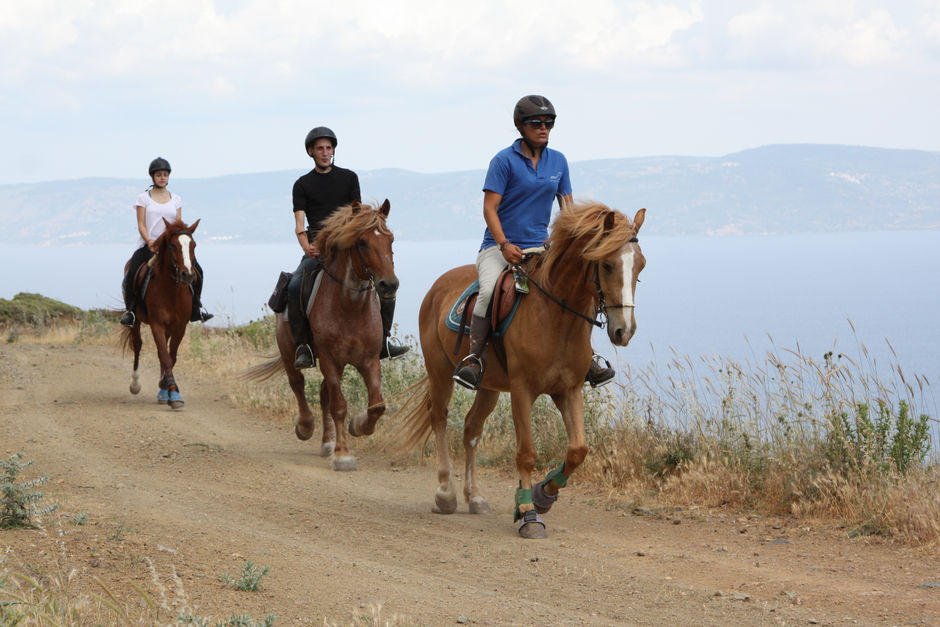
column 187, row 259
column 627, row 260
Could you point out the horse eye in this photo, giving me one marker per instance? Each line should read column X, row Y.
column 608, row 267
column 362, row 243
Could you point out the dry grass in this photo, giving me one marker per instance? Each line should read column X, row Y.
column 779, row 436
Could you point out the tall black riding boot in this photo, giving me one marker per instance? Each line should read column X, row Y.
column 127, row 320
column 303, row 339
column 198, row 315
column 389, row 349
column 469, row 372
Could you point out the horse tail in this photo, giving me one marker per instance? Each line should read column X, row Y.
column 127, row 334
column 262, row 372
column 416, row 416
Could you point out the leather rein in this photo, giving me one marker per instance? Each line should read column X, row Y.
column 602, row 303
column 369, row 281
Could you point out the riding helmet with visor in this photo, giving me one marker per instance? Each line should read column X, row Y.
column 159, row 164
column 318, row 133
column 531, row 106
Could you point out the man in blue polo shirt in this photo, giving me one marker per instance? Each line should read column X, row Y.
column 521, row 185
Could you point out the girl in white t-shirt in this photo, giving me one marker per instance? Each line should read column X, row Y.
column 153, row 206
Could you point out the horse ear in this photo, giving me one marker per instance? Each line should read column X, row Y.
column 638, row 220
column 385, row 208
column 165, row 221
column 355, row 207
column 192, row 227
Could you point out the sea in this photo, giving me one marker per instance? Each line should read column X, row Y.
column 874, row 296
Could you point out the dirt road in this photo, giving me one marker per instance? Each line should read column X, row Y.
column 177, row 499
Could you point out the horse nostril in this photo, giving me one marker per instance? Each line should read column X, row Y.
column 388, row 286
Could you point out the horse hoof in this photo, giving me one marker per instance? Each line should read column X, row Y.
column 175, row 400
column 444, row 503
column 478, row 505
column 531, row 526
column 355, row 426
column 327, row 448
column 303, row 434
column 343, row 464
column 163, row 396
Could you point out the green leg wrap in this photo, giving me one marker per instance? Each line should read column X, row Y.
column 522, row 496
column 557, row 476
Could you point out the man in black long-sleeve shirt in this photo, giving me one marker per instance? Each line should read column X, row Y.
column 317, row 194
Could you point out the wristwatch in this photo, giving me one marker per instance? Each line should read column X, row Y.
column 503, row 245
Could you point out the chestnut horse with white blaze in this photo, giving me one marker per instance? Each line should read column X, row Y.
column 166, row 306
column 590, row 267
column 345, row 319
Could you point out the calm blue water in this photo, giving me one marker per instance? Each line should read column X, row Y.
column 698, row 296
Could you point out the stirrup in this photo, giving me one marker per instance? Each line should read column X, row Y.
column 465, row 375
column 205, row 316
column 303, row 357
column 393, row 350
column 128, row 319
column 599, row 375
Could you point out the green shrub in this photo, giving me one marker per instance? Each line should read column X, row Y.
column 18, row 504
column 250, row 580
column 877, row 441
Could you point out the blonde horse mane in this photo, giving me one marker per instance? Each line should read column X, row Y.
column 343, row 227
column 585, row 223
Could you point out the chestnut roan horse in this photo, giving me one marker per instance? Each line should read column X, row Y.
column 357, row 270
column 166, row 307
column 590, row 267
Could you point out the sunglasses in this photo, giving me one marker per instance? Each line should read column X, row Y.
column 539, row 123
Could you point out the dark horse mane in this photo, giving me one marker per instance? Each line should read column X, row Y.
column 584, row 224
column 342, row 229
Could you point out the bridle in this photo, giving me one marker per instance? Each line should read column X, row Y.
column 365, row 284
column 602, row 305
column 178, row 276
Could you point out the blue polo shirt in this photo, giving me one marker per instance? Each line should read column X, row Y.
column 527, row 193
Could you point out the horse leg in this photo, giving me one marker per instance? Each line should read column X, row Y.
column 528, row 521
column 303, row 424
column 364, row 423
column 440, row 389
column 163, row 354
column 571, row 406
column 176, row 400
column 332, row 377
column 136, row 343
column 328, row 443
column 482, row 407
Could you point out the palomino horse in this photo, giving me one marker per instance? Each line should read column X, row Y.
column 590, row 267
column 166, row 307
column 357, row 270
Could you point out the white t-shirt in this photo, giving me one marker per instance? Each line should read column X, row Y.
column 154, row 212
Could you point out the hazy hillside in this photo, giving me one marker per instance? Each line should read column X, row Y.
column 773, row 189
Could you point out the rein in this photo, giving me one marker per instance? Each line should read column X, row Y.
column 362, row 262
column 602, row 304
column 177, row 274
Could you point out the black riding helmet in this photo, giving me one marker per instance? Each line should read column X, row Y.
column 159, row 164
column 317, row 133
column 531, row 106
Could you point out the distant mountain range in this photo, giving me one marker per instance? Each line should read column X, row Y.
column 802, row 188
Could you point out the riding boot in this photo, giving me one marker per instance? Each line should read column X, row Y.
column 128, row 319
column 389, row 349
column 469, row 372
column 197, row 314
column 300, row 328
column 598, row 374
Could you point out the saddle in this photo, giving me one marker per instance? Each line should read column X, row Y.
column 502, row 309
column 309, row 283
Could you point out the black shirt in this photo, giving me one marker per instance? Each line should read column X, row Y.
column 318, row 195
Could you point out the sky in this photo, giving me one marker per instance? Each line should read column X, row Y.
column 98, row 88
